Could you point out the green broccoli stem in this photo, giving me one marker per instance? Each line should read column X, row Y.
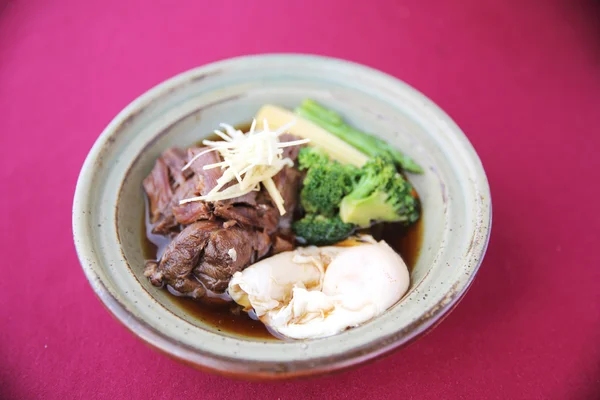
column 365, row 186
column 368, row 144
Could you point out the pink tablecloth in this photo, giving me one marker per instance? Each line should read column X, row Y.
column 522, row 78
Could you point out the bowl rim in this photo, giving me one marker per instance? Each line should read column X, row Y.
column 261, row 369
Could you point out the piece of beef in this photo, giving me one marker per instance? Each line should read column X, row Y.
column 228, row 251
column 205, row 255
column 262, row 245
column 166, row 185
column 288, row 182
column 292, row 151
column 175, row 159
column 190, row 212
column 207, row 178
column 180, row 258
column 160, row 195
column 262, row 215
column 208, row 251
column 247, row 199
column 282, row 243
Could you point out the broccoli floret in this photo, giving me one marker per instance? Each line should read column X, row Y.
column 324, row 186
column 320, row 230
column 381, row 194
column 311, row 156
column 326, row 183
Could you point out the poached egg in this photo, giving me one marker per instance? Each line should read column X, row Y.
column 315, row 292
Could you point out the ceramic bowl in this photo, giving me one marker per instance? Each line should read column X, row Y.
column 109, row 202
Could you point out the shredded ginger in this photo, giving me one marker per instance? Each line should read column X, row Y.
column 250, row 159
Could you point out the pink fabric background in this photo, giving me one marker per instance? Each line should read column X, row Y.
column 522, row 78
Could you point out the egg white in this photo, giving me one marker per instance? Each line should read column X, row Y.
column 314, row 292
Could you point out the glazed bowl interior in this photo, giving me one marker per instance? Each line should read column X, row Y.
column 108, row 210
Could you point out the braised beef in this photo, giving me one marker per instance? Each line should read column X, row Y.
column 282, row 243
column 180, row 258
column 206, row 255
column 175, row 159
column 207, row 178
column 288, row 182
column 247, row 199
column 189, row 212
column 158, row 188
column 263, row 246
column 229, row 250
column 217, row 239
column 263, row 216
column 290, row 152
column 167, row 185
column 230, row 223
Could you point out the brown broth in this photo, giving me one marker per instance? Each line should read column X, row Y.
column 406, row 241
column 219, row 316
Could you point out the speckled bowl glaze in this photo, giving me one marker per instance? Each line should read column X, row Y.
column 108, row 203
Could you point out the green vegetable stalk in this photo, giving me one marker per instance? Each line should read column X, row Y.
column 368, row 144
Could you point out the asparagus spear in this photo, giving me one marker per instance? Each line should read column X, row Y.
column 368, row 144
